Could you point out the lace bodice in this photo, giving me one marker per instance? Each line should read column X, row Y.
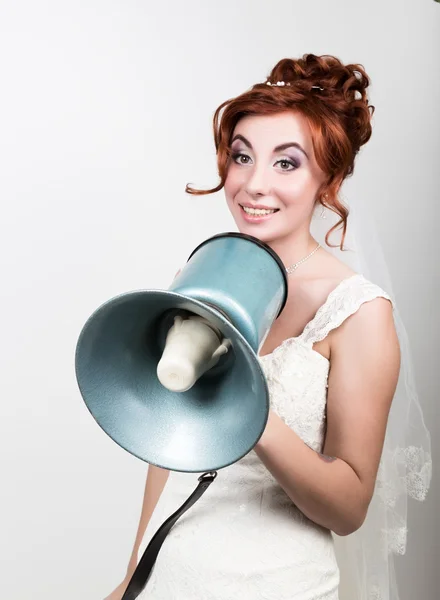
column 245, row 538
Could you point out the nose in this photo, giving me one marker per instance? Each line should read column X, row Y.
column 258, row 181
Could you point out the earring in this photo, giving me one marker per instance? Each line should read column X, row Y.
column 323, row 211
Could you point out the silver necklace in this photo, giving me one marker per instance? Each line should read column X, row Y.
column 294, row 267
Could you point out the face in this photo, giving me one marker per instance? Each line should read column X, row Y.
column 273, row 178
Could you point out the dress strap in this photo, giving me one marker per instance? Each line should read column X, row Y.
column 341, row 303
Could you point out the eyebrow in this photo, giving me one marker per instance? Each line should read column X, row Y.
column 276, row 149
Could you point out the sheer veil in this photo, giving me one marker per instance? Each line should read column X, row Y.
column 366, row 557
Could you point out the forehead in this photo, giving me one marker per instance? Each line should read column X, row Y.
column 268, row 131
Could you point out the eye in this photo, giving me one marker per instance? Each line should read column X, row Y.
column 236, row 155
column 288, row 162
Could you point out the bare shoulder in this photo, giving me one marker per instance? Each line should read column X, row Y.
column 327, row 273
column 373, row 320
column 333, row 267
column 374, row 317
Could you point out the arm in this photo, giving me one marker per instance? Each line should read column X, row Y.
column 154, row 486
column 334, row 489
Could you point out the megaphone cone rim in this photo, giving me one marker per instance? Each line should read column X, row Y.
column 226, row 327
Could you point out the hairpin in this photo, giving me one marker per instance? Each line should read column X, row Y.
column 281, row 83
column 277, row 83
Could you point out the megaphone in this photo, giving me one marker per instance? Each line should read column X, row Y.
column 173, row 376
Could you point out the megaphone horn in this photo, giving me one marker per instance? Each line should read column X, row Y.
column 173, row 376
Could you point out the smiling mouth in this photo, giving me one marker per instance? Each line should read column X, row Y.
column 258, row 212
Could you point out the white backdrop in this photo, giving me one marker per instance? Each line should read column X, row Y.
column 105, row 110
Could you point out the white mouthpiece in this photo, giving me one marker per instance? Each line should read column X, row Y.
column 192, row 347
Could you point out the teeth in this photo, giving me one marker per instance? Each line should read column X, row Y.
column 258, row 211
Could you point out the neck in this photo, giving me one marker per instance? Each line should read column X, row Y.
column 293, row 249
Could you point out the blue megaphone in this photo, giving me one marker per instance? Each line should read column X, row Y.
column 173, row 376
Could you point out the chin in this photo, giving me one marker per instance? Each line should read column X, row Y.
column 260, row 233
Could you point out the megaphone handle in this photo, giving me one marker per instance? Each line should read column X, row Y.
column 143, row 569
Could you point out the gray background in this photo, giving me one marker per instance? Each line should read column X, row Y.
column 105, row 110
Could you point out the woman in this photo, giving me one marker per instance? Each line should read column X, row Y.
column 332, row 360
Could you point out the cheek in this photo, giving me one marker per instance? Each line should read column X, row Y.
column 231, row 186
column 288, row 195
column 295, row 191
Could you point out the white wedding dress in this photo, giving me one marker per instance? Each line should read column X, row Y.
column 244, row 539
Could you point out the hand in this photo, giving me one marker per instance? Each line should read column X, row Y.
column 119, row 591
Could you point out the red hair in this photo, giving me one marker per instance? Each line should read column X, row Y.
column 331, row 96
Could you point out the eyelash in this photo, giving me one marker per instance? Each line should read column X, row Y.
column 235, row 155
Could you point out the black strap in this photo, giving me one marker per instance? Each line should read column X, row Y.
column 143, row 569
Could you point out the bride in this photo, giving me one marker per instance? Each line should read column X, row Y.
column 313, row 502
